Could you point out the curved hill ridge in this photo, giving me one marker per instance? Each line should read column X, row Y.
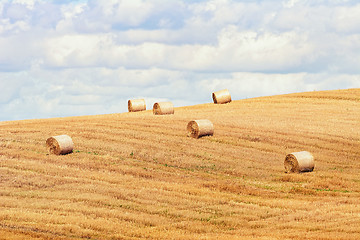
column 137, row 175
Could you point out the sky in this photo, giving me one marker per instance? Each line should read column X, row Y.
column 71, row 58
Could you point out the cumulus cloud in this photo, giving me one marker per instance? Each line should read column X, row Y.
column 66, row 58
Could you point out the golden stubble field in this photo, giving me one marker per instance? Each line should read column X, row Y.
column 136, row 175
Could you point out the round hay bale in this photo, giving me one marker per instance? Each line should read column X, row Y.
column 199, row 128
column 61, row 144
column 299, row 162
column 162, row 108
column 222, row 96
column 136, row 105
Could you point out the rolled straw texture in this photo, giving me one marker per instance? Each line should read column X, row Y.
column 162, row 108
column 58, row 145
column 136, row 105
column 222, row 96
column 199, row 128
column 299, row 162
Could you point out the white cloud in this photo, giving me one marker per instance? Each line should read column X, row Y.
column 64, row 58
column 234, row 51
column 346, row 19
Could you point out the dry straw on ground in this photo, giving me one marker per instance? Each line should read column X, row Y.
column 199, row 128
column 136, row 105
column 162, row 108
column 222, row 96
column 299, row 162
column 137, row 176
column 61, row 144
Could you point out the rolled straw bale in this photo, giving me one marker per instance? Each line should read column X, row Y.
column 162, row 108
column 199, row 128
column 299, row 162
column 61, row 144
column 222, row 96
column 136, row 105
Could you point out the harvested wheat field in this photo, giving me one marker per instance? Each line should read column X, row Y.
column 138, row 176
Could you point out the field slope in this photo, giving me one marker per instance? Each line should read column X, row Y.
column 136, row 175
